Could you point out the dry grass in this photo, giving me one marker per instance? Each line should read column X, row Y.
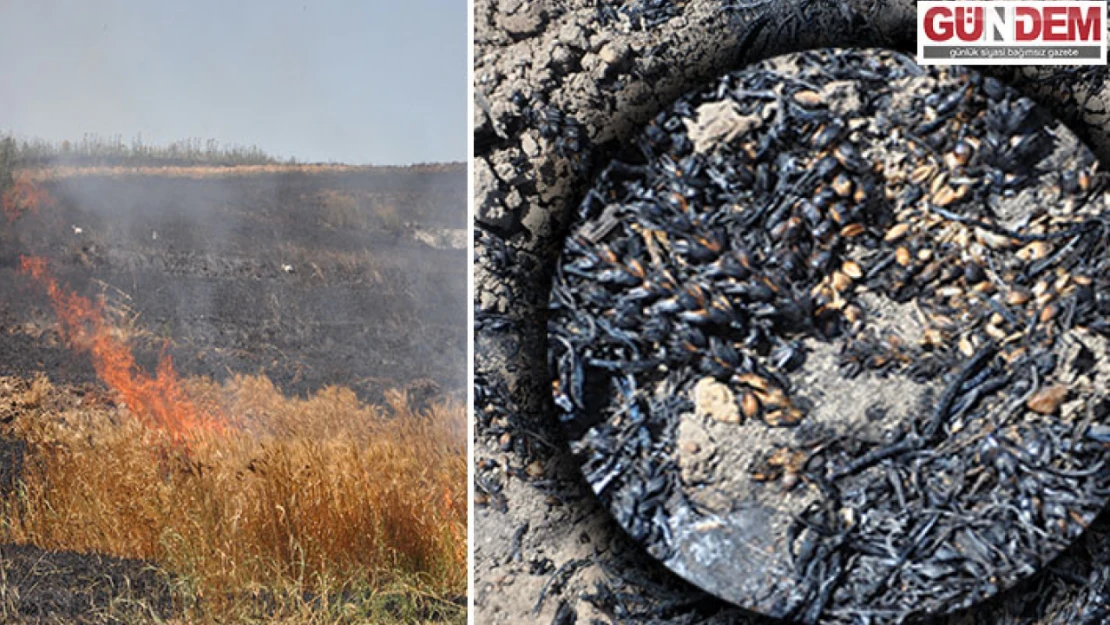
column 360, row 211
column 342, row 210
column 304, row 507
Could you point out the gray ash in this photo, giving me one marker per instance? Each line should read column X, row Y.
column 938, row 238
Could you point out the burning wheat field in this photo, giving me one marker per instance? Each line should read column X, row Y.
column 232, row 395
column 233, row 318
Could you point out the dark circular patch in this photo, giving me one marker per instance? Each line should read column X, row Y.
column 829, row 338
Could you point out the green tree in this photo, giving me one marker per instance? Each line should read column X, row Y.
column 7, row 163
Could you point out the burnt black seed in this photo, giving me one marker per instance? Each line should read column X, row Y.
column 825, row 198
column 949, row 273
column 788, row 356
column 821, row 261
column 824, row 170
column 1045, row 363
column 823, row 230
column 973, row 273
column 828, row 134
column 793, row 264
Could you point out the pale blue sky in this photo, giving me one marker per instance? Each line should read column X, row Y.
column 371, row 81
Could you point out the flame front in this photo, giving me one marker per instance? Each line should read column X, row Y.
column 159, row 401
column 24, row 195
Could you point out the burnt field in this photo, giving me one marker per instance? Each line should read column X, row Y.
column 312, row 278
column 233, row 394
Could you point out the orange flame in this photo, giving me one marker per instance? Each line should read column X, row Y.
column 24, row 195
column 159, row 402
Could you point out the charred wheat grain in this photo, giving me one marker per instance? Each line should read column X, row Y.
column 826, row 337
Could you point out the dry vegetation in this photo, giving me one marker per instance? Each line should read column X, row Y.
column 96, row 155
column 251, row 505
column 341, row 210
column 55, row 171
column 94, row 149
column 322, row 509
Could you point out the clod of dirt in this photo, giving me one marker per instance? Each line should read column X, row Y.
column 716, row 400
column 721, row 122
column 522, row 18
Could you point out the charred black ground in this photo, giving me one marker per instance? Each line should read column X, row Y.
column 311, row 278
column 827, row 337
